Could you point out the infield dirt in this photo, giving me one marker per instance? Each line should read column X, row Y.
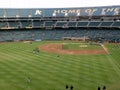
column 57, row 48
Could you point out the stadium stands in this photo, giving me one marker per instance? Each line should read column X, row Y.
column 116, row 24
column 3, row 24
column 82, row 24
column 106, row 24
column 35, row 34
column 47, row 24
column 94, row 23
column 38, row 24
column 14, row 24
column 61, row 24
column 26, row 24
column 72, row 24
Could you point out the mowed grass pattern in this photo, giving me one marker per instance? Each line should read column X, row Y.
column 49, row 72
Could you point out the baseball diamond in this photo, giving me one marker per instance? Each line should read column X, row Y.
column 60, row 48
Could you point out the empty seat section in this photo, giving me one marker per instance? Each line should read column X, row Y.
column 37, row 23
column 70, row 33
column 106, row 24
column 82, row 24
column 49, row 34
column 13, row 24
column 26, row 24
column 71, row 24
column 20, row 35
column 37, row 34
column 5, row 35
column 49, row 23
column 61, row 23
column 3, row 24
column 59, row 34
column 94, row 24
column 116, row 24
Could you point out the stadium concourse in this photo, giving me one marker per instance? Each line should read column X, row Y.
column 94, row 23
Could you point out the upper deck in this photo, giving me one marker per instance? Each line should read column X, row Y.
column 59, row 12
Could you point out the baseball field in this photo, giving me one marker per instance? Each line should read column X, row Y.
column 51, row 65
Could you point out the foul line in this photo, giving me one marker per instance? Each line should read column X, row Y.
column 111, row 60
column 106, row 50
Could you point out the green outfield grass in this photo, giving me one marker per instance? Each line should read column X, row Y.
column 49, row 72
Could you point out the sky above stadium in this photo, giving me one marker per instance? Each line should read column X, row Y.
column 56, row 3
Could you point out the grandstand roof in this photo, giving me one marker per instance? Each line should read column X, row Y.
column 56, row 3
column 60, row 12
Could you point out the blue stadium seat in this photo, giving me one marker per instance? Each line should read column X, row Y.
column 61, row 23
column 72, row 24
column 106, row 24
column 34, row 34
column 37, row 23
column 26, row 24
column 3, row 25
column 82, row 23
column 1, row 13
column 94, row 23
column 49, row 23
column 13, row 24
column 116, row 24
